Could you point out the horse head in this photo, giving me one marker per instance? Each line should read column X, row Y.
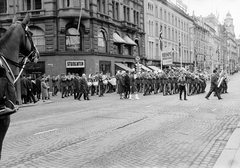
column 27, row 47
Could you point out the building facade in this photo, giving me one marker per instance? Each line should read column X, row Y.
column 232, row 56
column 81, row 36
column 164, row 16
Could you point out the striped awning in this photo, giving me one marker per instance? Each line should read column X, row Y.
column 124, row 67
column 154, row 68
column 144, row 67
column 118, row 39
column 129, row 41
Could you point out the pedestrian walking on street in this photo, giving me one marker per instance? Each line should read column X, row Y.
column 214, row 85
column 182, row 86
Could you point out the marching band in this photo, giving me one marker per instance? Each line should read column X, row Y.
column 145, row 82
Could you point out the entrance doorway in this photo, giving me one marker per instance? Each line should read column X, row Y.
column 80, row 71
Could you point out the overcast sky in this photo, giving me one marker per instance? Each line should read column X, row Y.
column 205, row 7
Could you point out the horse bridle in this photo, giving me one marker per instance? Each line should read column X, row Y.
column 31, row 56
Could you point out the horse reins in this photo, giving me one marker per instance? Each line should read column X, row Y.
column 23, row 62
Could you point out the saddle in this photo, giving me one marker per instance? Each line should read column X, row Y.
column 7, row 95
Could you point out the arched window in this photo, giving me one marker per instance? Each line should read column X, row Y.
column 2, row 32
column 73, row 39
column 38, row 37
column 102, row 41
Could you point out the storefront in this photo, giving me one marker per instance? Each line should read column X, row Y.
column 75, row 66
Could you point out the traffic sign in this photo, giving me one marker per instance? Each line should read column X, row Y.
column 137, row 58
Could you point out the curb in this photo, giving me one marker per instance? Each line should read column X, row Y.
column 35, row 104
column 230, row 157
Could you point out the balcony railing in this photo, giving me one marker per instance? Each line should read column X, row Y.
column 32, row 13
column 73, row 12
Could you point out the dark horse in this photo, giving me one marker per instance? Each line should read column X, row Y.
column 17, row 39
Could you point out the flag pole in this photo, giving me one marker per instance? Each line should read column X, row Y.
column 160, row 46
column 161, row 55
column 80, row 15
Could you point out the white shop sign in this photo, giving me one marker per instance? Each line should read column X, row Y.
column 75, row 64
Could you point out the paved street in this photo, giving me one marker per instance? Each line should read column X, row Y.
column 156, row 131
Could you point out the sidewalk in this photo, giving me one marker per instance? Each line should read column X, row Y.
column 230, row 156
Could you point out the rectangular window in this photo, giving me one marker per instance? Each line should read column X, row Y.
column 113, row 10
column 3, row 6
column 169, row 34
column 125, row 13
column 172, row 34
column 156, row 11
column 99, row 5
column 137, row 18
column 37, row 4
column 134, row 17
column 165, row 15
column 165, row 32
column 28, row 4
column 157, row 49
column 169, row 17
column 117, row 10
column 156, row 29
column 103, row 6
column 172, row 19
column 160, row 13
column 128, row 14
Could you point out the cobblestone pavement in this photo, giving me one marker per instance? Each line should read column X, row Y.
column 156, row 132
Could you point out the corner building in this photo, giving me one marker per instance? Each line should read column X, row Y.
column 162, row 15
column 81, row 36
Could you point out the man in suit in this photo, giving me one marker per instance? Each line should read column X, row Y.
column 83, row 88
column 214, row 85
column 127, row 85
column 76, row 86
column 100, row 83
column 24, row 89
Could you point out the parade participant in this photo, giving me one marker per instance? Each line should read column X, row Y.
column 214, row 85
column 54, row 85
column 63, row 85
column 95, row 85
column 182, row 86
column 127, row 84
column 83, row 88
column 133, row 88
column 76, row 86
column 224, row 83
column 121, row 84
column 100, row 83
column 24, row 89
column 90, row 83
column 38, row 86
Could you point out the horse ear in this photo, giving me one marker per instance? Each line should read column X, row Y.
column 14, row 19
column 26, row 20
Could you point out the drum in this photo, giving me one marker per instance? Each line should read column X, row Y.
column 95, row 83
column 105, row 82
column 89, row 84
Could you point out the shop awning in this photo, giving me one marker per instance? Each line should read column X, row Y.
column 118, row 39
column 124, row 67
column 154, row 68
column 129, row 41
column 144, row 67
